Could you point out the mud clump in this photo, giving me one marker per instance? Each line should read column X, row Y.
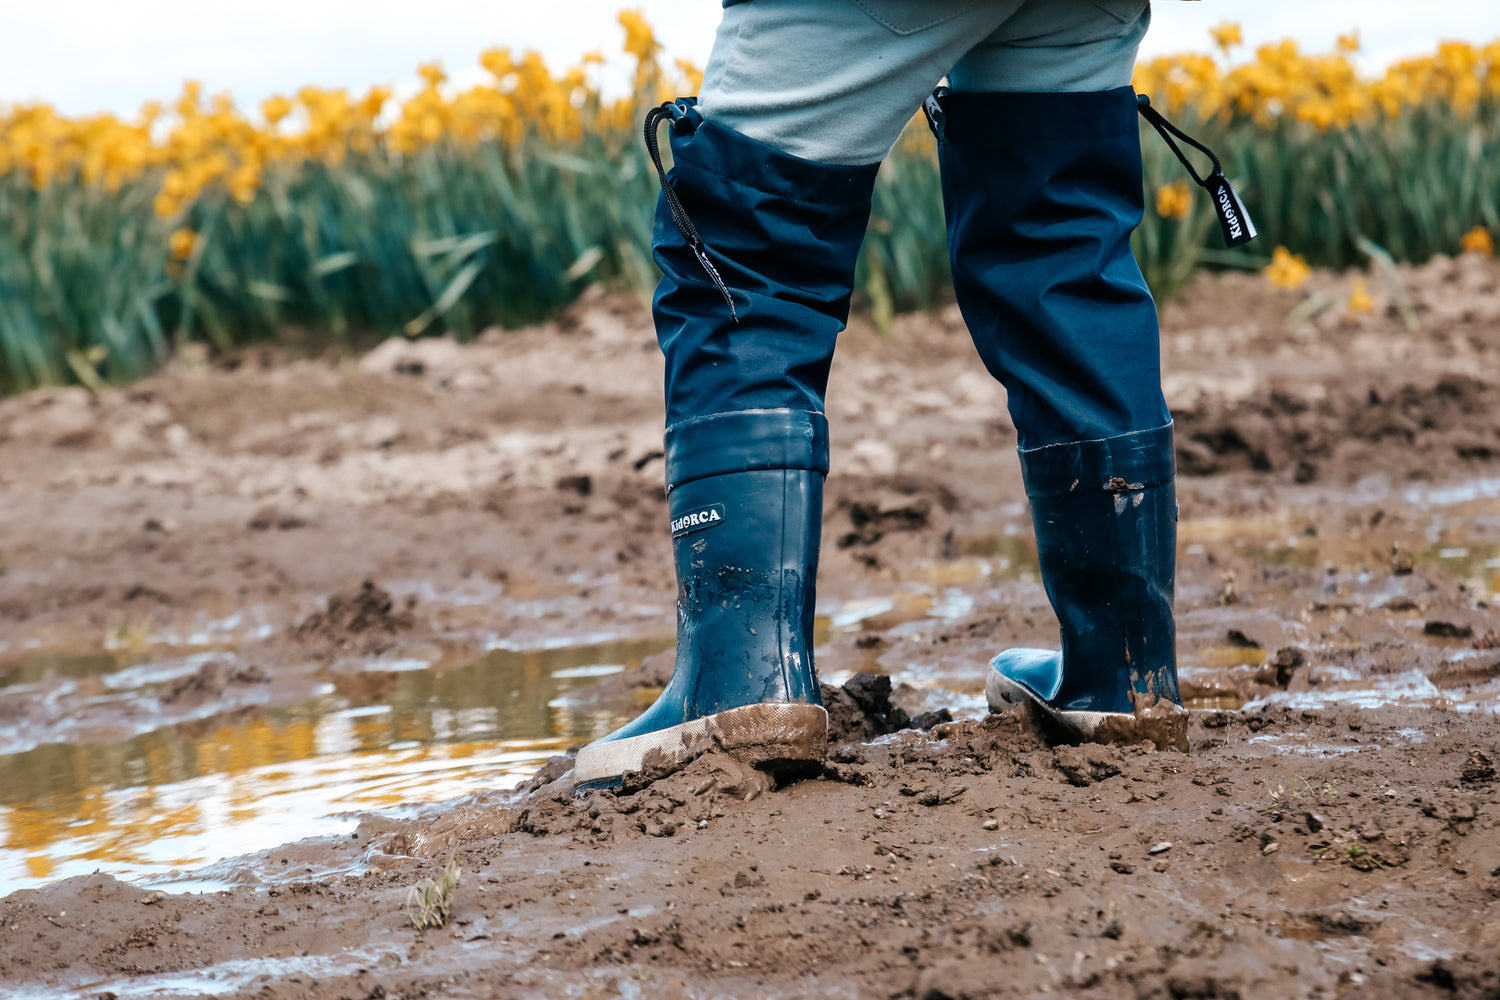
column 363, row 622
column 269, row 518
column 1282, row 429
column 1287, row 661
column 1447, row 630
column 1478, row 769
column 209, row 682
column 861, row 710
column 1161, row 723
column 660, row 800
column 647, row 805
column 873, row 520
column 1084, row 765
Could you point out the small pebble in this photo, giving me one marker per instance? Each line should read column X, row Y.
column 880, row 814
column 992, row 824
column 1270, row 848
column 1161, row 848
column 703, row 824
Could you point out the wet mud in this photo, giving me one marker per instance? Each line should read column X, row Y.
column 282, row 637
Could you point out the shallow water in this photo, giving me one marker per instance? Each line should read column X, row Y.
column 178, row 797
column 152, row 802
column 155, row 803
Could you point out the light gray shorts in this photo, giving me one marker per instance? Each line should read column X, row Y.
column 836, row 80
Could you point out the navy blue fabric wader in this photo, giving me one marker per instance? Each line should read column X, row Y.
column 757, row 251
column 757, row 234
column 1042, row 192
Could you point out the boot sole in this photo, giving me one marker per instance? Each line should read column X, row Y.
column 1163, row 724
column 777, row 737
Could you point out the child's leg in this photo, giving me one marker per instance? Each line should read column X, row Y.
column 835, row 81
column 1042, row 174
column 1040, row 151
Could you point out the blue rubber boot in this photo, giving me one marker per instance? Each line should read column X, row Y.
column 1042, row 192
column 746, row 505
column 1105, row 515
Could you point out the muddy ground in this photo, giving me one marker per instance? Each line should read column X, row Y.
column 321, row 526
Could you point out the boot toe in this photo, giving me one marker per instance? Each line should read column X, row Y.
column 782, row 737
column 1020, row 675
column 1033, row 676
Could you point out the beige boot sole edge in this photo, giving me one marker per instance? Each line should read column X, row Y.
column 770, row 735
column 1165, row 726
column 1002, row 692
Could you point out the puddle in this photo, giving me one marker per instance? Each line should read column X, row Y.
column 1463, row 493
column 179, row 797
column 33, row 669
column 217, row 980
column 1351, row 689
column 1009, row 556
column 145, row 804
column 152, row 799
column 1299, row 744
column 1450, row 543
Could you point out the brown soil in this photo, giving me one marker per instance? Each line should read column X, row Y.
column 429, row 499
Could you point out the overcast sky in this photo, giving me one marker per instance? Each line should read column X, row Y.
column 112, row 55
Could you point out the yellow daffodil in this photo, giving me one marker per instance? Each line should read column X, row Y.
column 1226, row 35
column 1173, row 200
column 181, row 243
column 1359, row 298
column 274, row 109
column 1287, row 270
column 640, row 41
column 244, row 183
column 1477, row 241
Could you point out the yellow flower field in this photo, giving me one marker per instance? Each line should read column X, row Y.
column 449, row 208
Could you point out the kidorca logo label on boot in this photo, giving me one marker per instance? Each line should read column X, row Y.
column 703, row 517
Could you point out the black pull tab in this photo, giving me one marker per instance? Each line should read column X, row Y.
column 1234, row 219
column 937, row 118
column 684, row 117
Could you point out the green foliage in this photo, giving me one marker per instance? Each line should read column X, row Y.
column 431, row 902
column 457, row 238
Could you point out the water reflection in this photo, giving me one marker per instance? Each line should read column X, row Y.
column 38, row 667
column 188, row 794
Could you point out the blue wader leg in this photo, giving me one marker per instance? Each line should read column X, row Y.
column 1042, row 192
column 757, row 251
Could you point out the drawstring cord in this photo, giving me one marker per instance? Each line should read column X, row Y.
column 672, row 112
column 1167, row 130
column 1234, row 219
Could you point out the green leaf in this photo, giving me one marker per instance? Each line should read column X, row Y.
column 334, row 263
column 447, row 300
column 586, row 262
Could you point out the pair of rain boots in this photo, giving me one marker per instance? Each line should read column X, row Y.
column 745, row 486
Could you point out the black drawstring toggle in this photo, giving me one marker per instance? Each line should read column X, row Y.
column 684, row 118
column 1234, row 220
column 937, row 118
